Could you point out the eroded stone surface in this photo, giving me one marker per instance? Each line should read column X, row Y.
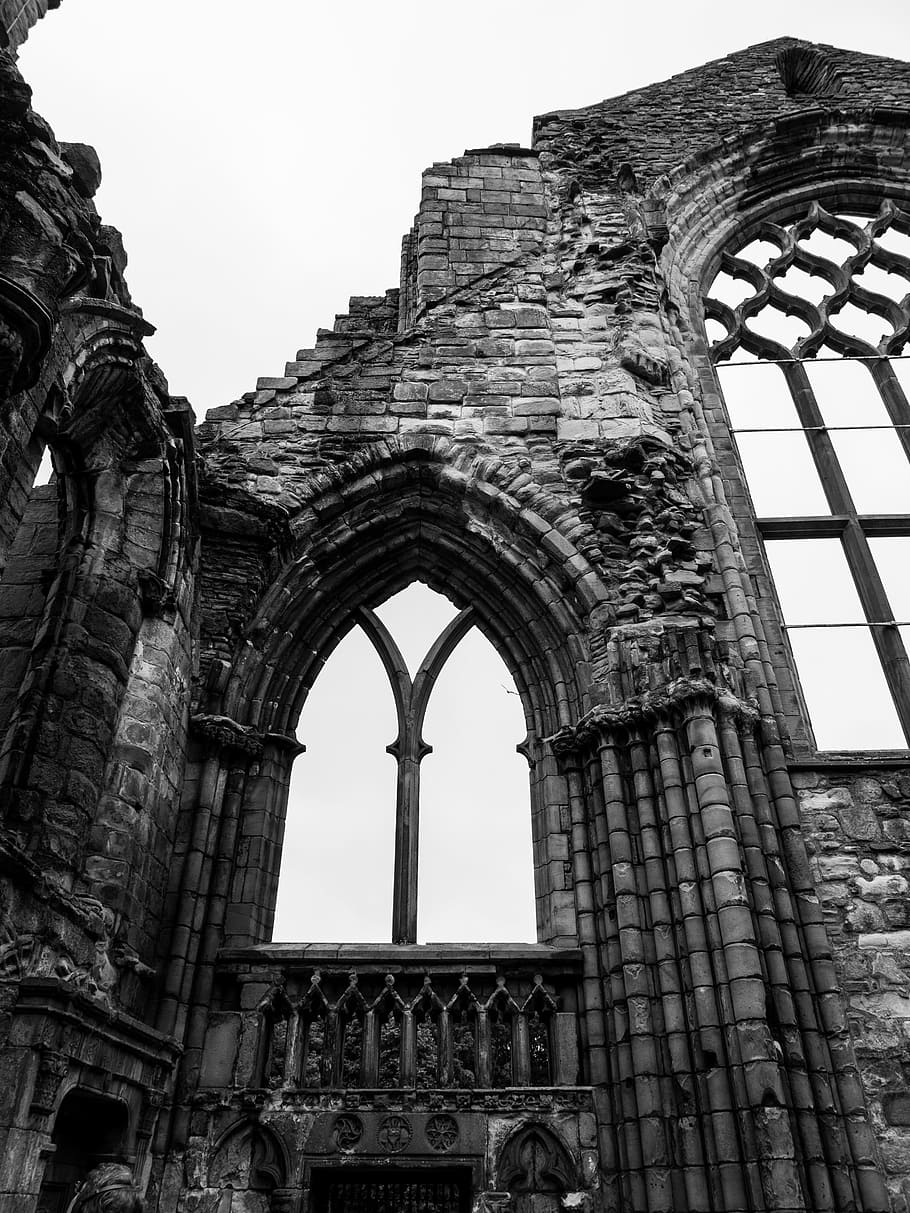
column 716, row 1015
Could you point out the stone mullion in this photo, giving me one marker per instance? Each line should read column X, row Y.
column 482, row 1048
column 770, row 1076
column 294, row 1050
column 408, row 1063
column 656, row 1090
column 445, row 1061
column 521, row 1051
column 334, row 1047
column 628, row 975
column 372, row 1033
column 834, row 1081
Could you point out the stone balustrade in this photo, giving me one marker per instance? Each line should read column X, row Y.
column 380, row 1016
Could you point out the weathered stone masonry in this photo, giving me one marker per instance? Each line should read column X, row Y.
column 715, row 1013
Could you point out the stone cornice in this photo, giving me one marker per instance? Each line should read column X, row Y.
column 639, row 710
column 227, row 734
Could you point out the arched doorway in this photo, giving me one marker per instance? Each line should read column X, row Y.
column 89, row 1129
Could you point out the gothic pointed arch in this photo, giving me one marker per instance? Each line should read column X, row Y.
column 249, row 1155
column 535, row 1166
column 498, row 551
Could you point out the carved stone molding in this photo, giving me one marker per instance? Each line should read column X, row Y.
column 227, row 734
column 644, row 709
column 157, row 597
column 52, row 1069
column 26, row 327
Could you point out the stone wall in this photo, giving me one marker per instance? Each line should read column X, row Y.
column 527, row 421
column 18, row 16
column 857, row 818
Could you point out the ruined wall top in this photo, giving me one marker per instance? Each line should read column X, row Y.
column 18, row 16
column 652, row 130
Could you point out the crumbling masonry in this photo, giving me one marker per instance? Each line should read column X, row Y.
column 716, row 1013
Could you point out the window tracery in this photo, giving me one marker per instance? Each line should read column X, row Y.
column 411, row 696
column 808, row 322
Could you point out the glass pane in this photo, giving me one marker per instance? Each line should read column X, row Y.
column 832, row 248
column 806, row 286
column 865, row 325
column 757, row 397
column 415, row 616
column 896, row 241
column 844, row 686
column 760, row 252
column 714, row 331
column 813, row 581
column 778, row 326
column 892, row 556
column 845, row 392
column 892, row 286
column 781, row 475
column 876, row 468
column 731, row 291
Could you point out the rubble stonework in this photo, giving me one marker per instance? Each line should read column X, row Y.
column 715, row 1015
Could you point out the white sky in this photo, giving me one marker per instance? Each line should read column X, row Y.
column 263, row 170
column 263, row 162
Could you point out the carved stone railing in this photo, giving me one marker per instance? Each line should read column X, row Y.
column 379, row 1016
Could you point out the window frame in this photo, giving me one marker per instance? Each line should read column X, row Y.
column 851, row 527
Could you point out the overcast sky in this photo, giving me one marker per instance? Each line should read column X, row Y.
column 264, row 170
column 263, row 162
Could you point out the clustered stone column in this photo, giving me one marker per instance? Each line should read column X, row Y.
column 726, row 1059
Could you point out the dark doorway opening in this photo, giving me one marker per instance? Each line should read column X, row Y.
column 90, row 1129
column 381, row 1190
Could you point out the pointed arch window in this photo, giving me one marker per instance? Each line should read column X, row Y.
column 808, row 323
column 430, row 629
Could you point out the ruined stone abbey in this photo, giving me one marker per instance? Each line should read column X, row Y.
column 621, row 409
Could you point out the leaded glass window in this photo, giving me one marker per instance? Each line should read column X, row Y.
column 808, row 323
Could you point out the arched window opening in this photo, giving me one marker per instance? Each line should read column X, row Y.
column 536, row 1169
column 352, row 1051
column 463, row 1011
column 538, row 1011
column 275, row 1042
column 809, row 324
column 476, row 863
column 314, row 1049
column 387, row 1012
column 352, row 1011
column 89, row 1129
column 26, row 575
column 427, row 1010
column 390, row 1051
column 313, row 1012
column 502, row 1013
column 336, row 861
column 348, row 865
